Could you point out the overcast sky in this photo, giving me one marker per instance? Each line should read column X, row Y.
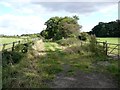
column 28, row 16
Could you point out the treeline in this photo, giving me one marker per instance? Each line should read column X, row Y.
column 110, row 29
column 35, row 35
column 9, row 36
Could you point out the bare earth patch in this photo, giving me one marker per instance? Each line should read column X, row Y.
column 82, row 80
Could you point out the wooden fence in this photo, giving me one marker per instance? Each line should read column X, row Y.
column 11, row 45
column 110, row 49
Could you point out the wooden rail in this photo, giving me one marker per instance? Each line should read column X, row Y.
column 110, row 48
column 13, row 44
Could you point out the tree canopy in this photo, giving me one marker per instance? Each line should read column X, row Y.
column 61, row 27
column 110, row 29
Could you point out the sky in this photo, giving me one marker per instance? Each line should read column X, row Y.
column 28, row 16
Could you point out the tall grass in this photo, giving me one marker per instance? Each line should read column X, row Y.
column 37, row 71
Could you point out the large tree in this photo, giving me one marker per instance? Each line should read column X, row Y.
column 110, row 29
column 59, row 27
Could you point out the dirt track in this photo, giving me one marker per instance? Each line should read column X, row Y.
column 82, row 80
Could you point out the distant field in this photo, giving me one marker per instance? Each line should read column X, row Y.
column 109, row 40
column 8, row 40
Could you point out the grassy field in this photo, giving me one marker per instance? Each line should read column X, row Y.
column 8, row 40
column 110, row 40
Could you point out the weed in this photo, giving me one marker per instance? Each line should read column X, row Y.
column 71, row 72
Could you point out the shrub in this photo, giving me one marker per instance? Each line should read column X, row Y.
column 23, row 47
column 83, row 36
column 9, row 57
column 68, row 41
column 19, row 47
column 96, row 49
column 12, row 57
column 92, row 44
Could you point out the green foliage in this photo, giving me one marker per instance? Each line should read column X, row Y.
column 71, row 72
column 53, row 69
column 19, row 47
column 93, row 45
column 109, row 29
column 83, row 36
column 35, row 35
column 13, row 57
column 113, row 69
column 68, row 41
column 61, row 27
column 10, row 57
column 36, row 72
column 22, row 47
column 95, row 48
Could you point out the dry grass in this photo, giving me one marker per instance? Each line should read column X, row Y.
column 38, row 48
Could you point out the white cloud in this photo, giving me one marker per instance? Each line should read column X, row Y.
column 21, row 24
column 27, row 17
column 16, row 1
column 6, row 4
column 109, row 9
column 75, row 0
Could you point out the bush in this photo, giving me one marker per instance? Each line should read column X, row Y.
column 9, row 57
column 92, row 44
column 95, row 48
column 23, row 47
column 59, row 27
column 83, row 36
column 13, row 57
column 68, row 41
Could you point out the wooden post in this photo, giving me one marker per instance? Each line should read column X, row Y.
column 13, row 46
column 3, row 47
column 18, row 42
column 96, row 42
column 118, row 51
column 106, row 47
column 81, row 43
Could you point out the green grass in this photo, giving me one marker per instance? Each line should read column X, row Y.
column 35, row 72
column 8, row 40
column 112, row 41
column 1, row 77
column 109, row 40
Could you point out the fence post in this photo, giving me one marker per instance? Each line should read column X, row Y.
column 96, row 42
column 3, row 47
column 18, row 42
column 106, row 47
column 81, row 43
column 13, row 46
column 118, row 51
